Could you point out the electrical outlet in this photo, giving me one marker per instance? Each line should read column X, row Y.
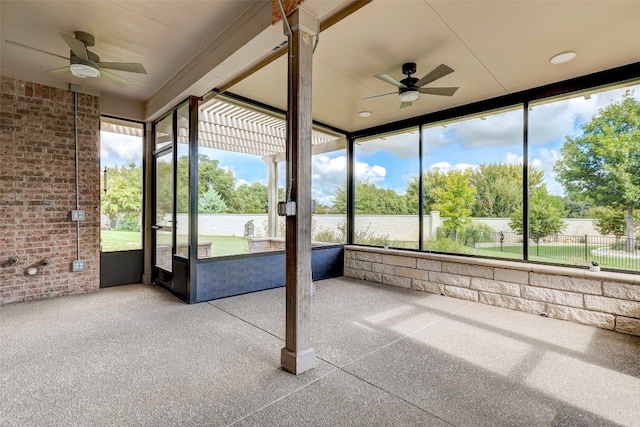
column 287, row 208
column 78, row 265
column 77, row 215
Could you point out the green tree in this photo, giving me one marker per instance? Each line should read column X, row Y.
column 499, row 188
column 220, row 178
column 603, row 164
column 612, row 220
column 124, row 191
column 370, row 199
column 577, row 207
column 250, row 198
column 545, row 214
column 455, row 199
column 211, row 202
column 433, row 178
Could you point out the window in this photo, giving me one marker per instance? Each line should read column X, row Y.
column 386, row 198
column 121, row 145
column 585, row 208
column 473, row 184
column 329, row 223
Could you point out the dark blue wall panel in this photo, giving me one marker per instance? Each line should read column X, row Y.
column 228, row 276
column 120, row 268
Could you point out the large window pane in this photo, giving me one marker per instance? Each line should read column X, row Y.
column 329, row 223
column 386, row 198
column 232, row 202
column 585, row 208
column 473, row 184
column 121, row 145
column 182, row 184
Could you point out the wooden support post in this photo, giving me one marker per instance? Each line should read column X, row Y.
column 297, row 356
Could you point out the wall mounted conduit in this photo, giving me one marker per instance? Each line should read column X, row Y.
column 75, row 131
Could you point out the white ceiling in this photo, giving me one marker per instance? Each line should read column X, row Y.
column 189, row 47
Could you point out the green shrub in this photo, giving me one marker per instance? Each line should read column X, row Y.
column 328, row 235
column 444, row 244
column 129, row 222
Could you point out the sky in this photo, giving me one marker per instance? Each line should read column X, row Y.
column 393, row 161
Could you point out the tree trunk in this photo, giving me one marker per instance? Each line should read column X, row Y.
column 631, row 237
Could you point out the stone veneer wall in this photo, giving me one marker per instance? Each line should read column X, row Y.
column 38, row 190
column 603, row 299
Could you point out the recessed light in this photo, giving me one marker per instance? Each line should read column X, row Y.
column 365, row 114
column 563, row 57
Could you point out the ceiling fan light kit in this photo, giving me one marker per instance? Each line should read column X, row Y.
column 83, row 69
column 409, row 95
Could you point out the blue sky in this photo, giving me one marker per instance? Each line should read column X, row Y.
column 392, row 162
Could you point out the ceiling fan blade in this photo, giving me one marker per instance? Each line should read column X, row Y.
column 131, row 67
column 36, row 49
column 379, row 96
column 443, row 91
column 387, row 78
column 435, row 74
column 63, row 70
column 78, row 47
column 405, row 104
column 113, row 78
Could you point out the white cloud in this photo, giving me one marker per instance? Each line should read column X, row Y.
column 547, row 122
column 443, row 166
column 117, row 148
column 557, row 120
column 403, row 146
column 329, row 170
column 374, row 174
column 328, row 174
column 513, row 159
column 497, row 130
column 446, row 166
column 543, row 159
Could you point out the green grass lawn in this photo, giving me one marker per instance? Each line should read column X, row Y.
column 113, row 240
column 561, row 254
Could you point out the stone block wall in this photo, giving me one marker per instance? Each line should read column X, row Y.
column 603, row 299
column 38, row 190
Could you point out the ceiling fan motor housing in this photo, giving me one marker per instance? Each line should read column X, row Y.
column 409, row 68
column 410, row 84
column 85, row 38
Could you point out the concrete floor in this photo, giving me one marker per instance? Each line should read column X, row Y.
column 136, row 355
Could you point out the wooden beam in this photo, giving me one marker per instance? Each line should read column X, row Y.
column 297, row 356
column 289, row 7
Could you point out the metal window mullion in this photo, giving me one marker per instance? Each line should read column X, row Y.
column 351, row 187
column 193, row 199
column 420, row 191
column 525, row 182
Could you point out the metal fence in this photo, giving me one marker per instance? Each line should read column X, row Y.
column 606, row 251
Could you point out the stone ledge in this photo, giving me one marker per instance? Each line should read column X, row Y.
column 505, row 264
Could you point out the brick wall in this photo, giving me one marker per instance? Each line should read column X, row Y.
column 38, row 190
column 603, row 299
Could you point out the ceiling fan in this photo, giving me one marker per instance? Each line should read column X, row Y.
column 410, row 88
column 86, row 64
